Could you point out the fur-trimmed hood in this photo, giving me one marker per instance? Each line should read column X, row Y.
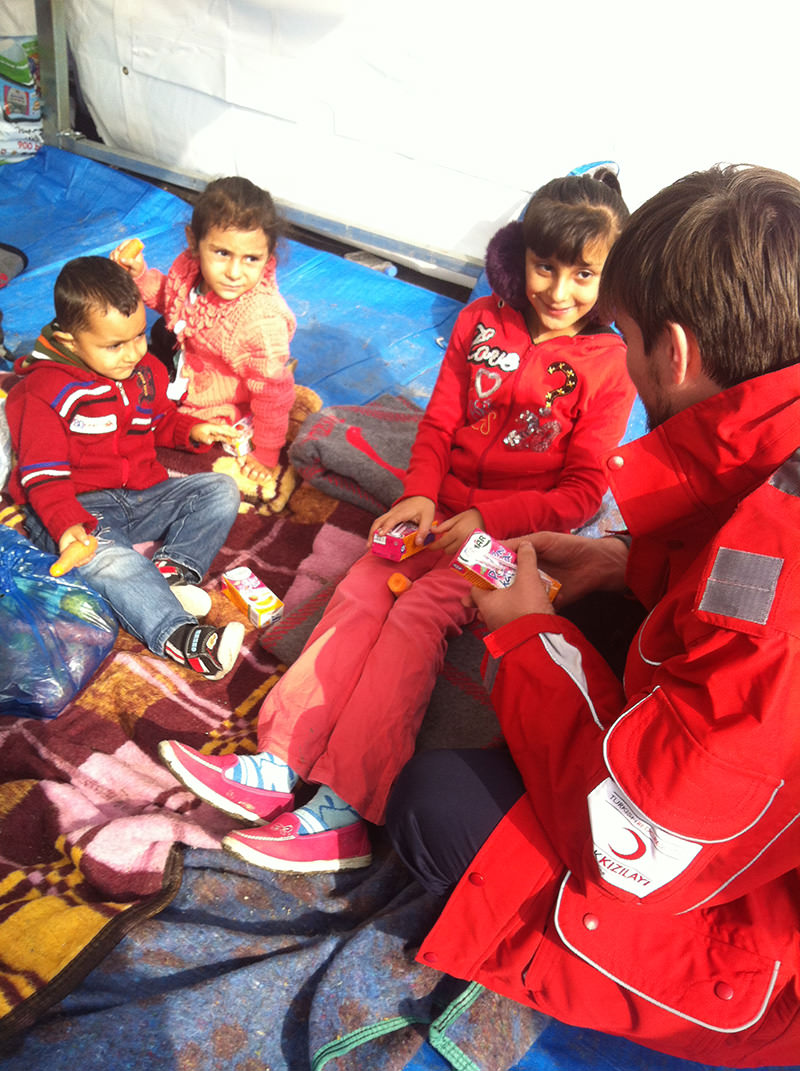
column 505, row 265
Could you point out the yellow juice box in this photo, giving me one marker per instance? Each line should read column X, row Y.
column 252, row 596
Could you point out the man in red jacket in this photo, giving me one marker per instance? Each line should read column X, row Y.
column 630, row 862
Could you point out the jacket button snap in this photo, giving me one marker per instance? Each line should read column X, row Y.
column 476, row 879
column 431, row 957
column 591, row 922
column 723, row 990
column 616, row 462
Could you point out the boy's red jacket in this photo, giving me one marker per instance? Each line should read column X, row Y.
column 75, row 431
column 648, row 882
column 516, row 429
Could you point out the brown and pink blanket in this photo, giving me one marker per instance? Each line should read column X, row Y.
column 94, row 831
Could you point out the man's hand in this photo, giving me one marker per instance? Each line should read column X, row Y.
column 418, row 509
column 581, row 563
column 525, row 596
column 452, row 533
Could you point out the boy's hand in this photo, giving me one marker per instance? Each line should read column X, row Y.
column 129, row 256
column 453, row 533
column 581, row 563
column 75, row 547
column 417, row 508
column 525, row 596
column 214, row 433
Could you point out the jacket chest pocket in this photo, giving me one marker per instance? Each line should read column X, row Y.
column 674, row 965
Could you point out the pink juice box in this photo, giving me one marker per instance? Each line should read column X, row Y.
column 252, row 596
column 398, row 543
column 486, row 563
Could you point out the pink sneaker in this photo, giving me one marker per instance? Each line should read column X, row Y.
column 204, row 775
column 279, row 846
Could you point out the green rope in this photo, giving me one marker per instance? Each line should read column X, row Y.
column 443, row 1045
column 457, row 1059
column 351, row 1041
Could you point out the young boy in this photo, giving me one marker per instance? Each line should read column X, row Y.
column 85, row 420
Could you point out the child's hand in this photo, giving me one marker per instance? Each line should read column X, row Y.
column 526, row 595
column 417, row 508
column 75, row 547
column 452, row 533
column 129, row 256
column 213, row 433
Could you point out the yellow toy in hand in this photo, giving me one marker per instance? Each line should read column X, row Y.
column 75, row 554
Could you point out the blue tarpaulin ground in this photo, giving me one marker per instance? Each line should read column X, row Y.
column 360, row 334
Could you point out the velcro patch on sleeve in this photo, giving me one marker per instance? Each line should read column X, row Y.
column 742, row 585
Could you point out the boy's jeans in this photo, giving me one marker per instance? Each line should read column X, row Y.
column 191, row 517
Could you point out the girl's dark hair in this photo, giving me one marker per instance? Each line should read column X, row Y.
column 88, row 283
column 236, row 203
column 562, row 218
column 567, row 214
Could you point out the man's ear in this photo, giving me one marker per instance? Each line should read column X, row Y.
column 684, row 363
column 685, row 366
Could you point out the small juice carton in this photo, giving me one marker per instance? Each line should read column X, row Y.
column 252, row 596
column 244, row 444
column 486, row 563
column 398, row 543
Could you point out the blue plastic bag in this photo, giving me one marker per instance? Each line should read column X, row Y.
column 54, row 632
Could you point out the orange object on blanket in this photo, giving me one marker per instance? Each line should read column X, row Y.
column 75, row 554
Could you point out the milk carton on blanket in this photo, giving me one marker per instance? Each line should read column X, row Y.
column 252, row 596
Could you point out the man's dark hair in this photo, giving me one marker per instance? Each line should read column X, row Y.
column 717, row 252
column 88, row 283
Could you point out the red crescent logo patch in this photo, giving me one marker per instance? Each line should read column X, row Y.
column 638, row 852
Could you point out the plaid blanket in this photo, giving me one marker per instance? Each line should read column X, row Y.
column 117, row 900
column 89, row 818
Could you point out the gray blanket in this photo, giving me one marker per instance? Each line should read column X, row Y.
column 358, row 453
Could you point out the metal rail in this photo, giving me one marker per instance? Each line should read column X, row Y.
column 57, row 130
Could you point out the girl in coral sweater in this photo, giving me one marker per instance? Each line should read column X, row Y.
column 532, row 390
column 221, row 301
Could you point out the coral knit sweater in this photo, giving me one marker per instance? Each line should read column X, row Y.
column 235, row 353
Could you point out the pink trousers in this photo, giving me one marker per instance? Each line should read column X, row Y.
column 347, row 712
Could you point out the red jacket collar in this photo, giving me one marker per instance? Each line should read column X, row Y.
column 700, row 463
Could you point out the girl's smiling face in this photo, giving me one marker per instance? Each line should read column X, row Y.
column 561, row 296
column 231, row 261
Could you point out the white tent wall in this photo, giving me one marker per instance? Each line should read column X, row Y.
column 426, row 125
